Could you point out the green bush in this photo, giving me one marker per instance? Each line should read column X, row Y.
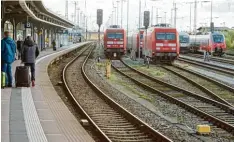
column 229, row 39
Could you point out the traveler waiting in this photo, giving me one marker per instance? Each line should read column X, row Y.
column 19, row 47
column 206, row 55
column 54, row 45
column 30, row 52
column 8, row 52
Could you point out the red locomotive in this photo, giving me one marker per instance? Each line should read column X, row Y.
column 114, row 42
column 133, row 43
column 162, row 44
column 212, row 42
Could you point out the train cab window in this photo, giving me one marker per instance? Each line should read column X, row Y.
column 119, row 35
column 165, row 36
column 115, row 35
column 170, row 36
column 160, row 36
column 218, row 38
column 111, row 35
column 184, row 39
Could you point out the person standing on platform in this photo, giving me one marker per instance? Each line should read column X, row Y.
column 54, row 45
column 8, row 52
column 30, row 52
column 19, row 47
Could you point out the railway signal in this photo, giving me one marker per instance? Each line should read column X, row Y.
column 99, row 22
column 99, row 17
column 146, row 18
column 146, row 24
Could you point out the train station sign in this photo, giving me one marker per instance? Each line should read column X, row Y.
column 27, row 25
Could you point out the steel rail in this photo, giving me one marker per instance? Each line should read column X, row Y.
column 207, row 91
column 225, row 70
column 207, row 78
column 142, row 126
column 218, row 59
column 216, row 121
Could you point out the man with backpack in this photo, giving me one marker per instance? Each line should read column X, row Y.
column 30, row 52
column 8, row 51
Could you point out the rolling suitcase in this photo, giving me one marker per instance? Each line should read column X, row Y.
column 22, row 77
column 3, row 80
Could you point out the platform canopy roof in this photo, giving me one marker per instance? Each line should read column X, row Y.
column 35, row 10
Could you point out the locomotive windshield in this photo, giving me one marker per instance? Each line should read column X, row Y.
column 218, row 38
column 115, row 35
column 165, row 36
column 184, row 39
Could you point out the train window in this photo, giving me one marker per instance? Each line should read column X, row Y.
column 184, row 39
column 165, row 36
column 119, row 35
column 218, row 38
column 160, row 36
column 170, row 36
column 115, row 35
column 111, row 35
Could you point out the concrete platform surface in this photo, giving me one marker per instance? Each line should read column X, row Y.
column 38, row 114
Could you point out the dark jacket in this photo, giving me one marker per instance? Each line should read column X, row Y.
column 8, row 50
column 19, row 45
column 29, row 52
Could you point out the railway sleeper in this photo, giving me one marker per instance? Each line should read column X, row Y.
column 101, row 121
column 114, row 114
column 141, row 136
column 144, row 140
column 108, row 118
column 125, row 132
column 116, row 126
column 122, row 129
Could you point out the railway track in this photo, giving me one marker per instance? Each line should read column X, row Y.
column 218, row 59
column 212, row 88
column 219, row 68
column 112, row 122
column 219, row 114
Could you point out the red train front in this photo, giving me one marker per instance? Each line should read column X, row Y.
column 114, row 42
column 213, row 42
column 162, row 44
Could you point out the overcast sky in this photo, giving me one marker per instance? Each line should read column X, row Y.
column 223, row 11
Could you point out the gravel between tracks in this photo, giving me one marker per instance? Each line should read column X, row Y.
column 124, row 91
column 169, row 77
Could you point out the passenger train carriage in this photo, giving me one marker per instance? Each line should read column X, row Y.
column 162, row 44
column 212, row 42
column 184, row 42
column 114, row 42
column 133, row 43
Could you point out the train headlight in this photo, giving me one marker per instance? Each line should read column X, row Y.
column 159, row 44
column 157, row 48
column 171, row 44
column 121, row 46
column 173, row 48
column 109, row 42
column 120, row 42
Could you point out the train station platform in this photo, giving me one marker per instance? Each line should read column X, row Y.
column 38, row 113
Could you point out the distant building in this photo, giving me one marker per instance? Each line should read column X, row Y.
column 207, row 29
column 162, row 25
